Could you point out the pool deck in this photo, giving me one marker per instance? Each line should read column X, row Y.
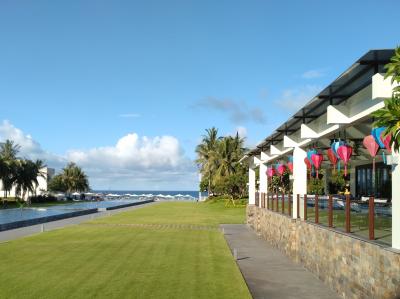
column 37, row 228
column 268, row 272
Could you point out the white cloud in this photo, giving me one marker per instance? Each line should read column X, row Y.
column 295, row 98
column 30, row 148
column 129, row 115
column 311, row 74
column 237, row 111
column 132, row 163
column 131, row 151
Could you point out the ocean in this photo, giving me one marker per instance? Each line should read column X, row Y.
column 190, row 195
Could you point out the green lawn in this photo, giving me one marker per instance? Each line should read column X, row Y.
column 210, row 214
column 103, row 260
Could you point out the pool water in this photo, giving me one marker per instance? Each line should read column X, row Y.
column 13, row 215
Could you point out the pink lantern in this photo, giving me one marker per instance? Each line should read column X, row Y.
column 317, row 161
column 290, row 166
column 344, row 152
column 308, row 163
column 372, row 147
column 281, row 169
column 386, row 141
column 271, row 172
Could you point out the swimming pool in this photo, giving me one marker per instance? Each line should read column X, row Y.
column 14, row 218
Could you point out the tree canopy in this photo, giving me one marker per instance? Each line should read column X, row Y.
column 71, row 179
column 218, row 160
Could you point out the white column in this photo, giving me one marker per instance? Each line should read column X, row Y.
column 395, row 201
column 299, row 179
column 252, row 186
column 263, row 180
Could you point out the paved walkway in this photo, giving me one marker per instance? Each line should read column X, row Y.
column 270, row 274
column 34, row 229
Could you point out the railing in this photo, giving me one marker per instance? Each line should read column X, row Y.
column 281, row 203
column 365, row 218
column 257, row 198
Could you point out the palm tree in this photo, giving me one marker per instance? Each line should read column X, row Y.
column 74, row 179
column 26, row 177
column 207, row 153
column 9, row 150
column 3, row 173
column 226, row 158
column 8, row 155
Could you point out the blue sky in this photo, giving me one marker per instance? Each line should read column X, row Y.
column 77, row 77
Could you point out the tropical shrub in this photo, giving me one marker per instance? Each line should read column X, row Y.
column 71, row 179
column 278, row 184
column 389, row 116
column 218, row 161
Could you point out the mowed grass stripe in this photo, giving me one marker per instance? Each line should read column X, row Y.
column 154, row 226
column 87, row 261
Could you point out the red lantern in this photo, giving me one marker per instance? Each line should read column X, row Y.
column 317, row 161
column 332, row 157
column 344, row 152
column 386, row 141
column 290, row 166
column 308, row 163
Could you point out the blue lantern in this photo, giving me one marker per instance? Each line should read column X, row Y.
column 376, row 132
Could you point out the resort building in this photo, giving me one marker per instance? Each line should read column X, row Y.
column 41, row 187
column 339, row 215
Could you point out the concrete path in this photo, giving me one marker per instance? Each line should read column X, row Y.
column 270, row 274
column 34, row 229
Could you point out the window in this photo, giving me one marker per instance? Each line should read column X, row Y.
column 365, row 183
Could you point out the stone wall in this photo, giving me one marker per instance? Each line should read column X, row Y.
column 355, row 268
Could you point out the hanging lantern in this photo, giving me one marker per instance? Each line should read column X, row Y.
column 332, row 157
column 317, row 161
column 376, row 133
column 271, row 172
column 372, row 147
column 344, row 152
column 308, row 163
column 335, row 145
column 281, row 169
column 290, row 166
column 386, row 141
column 310, row 153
